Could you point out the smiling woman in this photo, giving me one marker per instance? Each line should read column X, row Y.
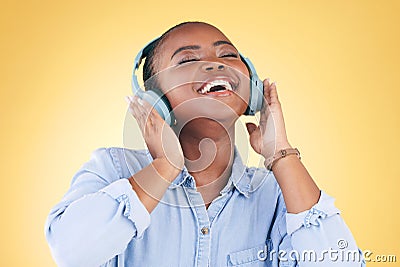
column 188, row 200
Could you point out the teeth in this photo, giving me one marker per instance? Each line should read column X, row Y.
column 208, row 86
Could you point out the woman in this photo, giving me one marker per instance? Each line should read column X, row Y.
column 188, row 200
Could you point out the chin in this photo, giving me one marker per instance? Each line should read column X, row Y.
column 218, row 111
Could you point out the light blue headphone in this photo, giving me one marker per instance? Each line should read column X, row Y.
column 163, row 107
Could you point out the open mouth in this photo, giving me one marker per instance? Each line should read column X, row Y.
column 216, row 88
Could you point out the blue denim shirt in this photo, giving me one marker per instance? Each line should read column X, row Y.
column 101, row 222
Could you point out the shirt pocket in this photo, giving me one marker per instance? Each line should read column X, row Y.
column 249, row 257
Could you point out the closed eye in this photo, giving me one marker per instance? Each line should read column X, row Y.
column 230, row 55
column 186, row 60
column 191, row 59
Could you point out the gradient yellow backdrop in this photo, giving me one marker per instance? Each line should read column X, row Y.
column 66, row 66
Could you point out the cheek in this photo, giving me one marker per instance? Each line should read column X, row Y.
column 179, row 94
column 175, row 82
column 243, row 99
column 244, row 87
column 241, row 67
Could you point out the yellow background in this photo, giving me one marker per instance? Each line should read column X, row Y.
column 66, row 66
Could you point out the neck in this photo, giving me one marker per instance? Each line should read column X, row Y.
column 209, row 157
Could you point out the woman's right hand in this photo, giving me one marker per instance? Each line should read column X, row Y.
column 160, row 139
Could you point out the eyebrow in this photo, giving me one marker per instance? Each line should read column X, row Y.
column 197, row 47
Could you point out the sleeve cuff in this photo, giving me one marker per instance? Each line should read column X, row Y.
column 134, row 210
column 323, row 209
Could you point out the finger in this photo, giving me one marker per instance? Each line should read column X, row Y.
column 273, row 94
column 131, row 106
column 251, row 127
column 151, row 111
column 267, row 100
column 144, row 112
column 148, row 110
column 146, row 115
column 137, row 111
column 256, row 139
column 256, row 135
column 139, row 118
column 266, row 90
column 152, row 115
column 128, row 100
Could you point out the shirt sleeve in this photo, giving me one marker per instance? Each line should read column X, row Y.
column 98, row 217
column 319, row 237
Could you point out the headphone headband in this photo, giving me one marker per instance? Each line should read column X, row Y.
column 143, row 52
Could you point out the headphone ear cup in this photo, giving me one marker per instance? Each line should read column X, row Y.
column 257, row 94
column 160, row 103
column 256, row 90
column 154, row 96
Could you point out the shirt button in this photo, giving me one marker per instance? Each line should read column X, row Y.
column 204, row 230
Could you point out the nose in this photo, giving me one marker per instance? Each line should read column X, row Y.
column 209, row 66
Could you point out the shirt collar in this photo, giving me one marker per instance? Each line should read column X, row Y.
column 241, row 177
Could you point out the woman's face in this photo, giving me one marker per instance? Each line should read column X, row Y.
column 202, row 75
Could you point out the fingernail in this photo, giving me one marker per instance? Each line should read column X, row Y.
column 268, row 80
column 140, row 101
column 127, row 99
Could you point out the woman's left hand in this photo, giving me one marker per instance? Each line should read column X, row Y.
column 270, row 135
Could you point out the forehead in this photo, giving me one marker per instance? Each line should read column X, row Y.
column 191, row 34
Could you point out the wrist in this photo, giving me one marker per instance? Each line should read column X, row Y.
column 167, row 170
column 282, row 145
